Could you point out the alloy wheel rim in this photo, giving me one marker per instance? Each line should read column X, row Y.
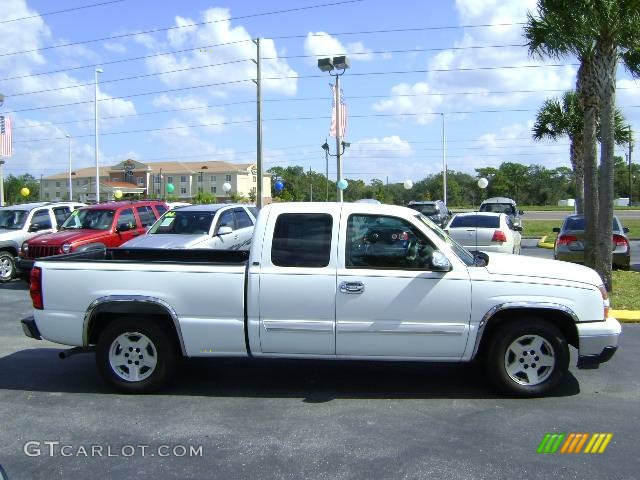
column 529, row 360
column 133, row 356
column 6, row 268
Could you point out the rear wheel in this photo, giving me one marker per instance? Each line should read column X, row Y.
column 136, row 355
column 7, row 266
column 528, row 358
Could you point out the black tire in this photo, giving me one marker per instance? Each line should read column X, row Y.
column 499, row 346
column 7, row 259
column 166, row 354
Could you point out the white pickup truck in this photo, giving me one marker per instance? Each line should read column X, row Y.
column 325, row 281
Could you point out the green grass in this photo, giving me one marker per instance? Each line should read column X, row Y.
column 626, row 290
column 539, row 228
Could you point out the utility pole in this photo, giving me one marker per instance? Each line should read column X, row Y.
column 258, row 82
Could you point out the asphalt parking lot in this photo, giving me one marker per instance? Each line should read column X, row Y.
column 284, row 419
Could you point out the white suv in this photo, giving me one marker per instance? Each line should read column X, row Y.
column 21, row 222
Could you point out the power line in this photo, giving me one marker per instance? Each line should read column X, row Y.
column 166, row 29
column 61, row 11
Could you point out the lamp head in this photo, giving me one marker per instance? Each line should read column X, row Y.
column 341, row 62
column 325, row 146
column 99, row 70
column 325, row 65
column 346, row 144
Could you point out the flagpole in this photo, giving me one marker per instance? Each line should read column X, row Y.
column 338, row 137
column 1, row 182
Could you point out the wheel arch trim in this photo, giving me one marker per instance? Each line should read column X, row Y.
column 136, row 299
column 518, row 305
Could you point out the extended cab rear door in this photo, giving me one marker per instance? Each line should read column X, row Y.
column 297, row 291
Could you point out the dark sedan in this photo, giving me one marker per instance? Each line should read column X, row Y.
column 569, row 245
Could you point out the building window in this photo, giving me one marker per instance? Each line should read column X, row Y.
column 199, row 178
column 57, row 194
column 141, row 181
column 255, row 179
column 183, row 191
column 46, row 195
column 183, row 179
column 157, row 191
column 227, row 178
column 57, row 184
column 169, row 179
column 213, row 178
column 213, row 189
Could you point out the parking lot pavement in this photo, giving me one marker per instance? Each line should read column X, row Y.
column 286, row 419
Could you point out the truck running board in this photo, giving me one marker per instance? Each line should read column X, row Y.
column 74, row 351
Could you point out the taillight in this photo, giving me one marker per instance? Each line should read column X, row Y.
column 620, row 241
column 566, row 239
column 35, row 289
column 499, row 236
column 605, row 300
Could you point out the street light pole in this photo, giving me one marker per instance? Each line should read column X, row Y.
column 630, row 151
column 259, row 125
column 70, row 183
column 97, row 71
column 444, row 163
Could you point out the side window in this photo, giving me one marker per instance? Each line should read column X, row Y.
column 146, row 216
column 242, row 219
column 226, row 220
column 61, row 214
column 126, row 216
column 254, row 211
column 386, row 243
column 510, row 223
column 42, row 218
column 161, row 209
column 302, row 240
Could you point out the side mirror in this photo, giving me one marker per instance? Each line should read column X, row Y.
column 34, row 227
column 439, row 262
column 625, row 229
column 521, row 212
column 556, row 230
column 123, row 227
column 225, row 230
column 517, row 228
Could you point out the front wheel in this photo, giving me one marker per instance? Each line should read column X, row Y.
column 7, row 266
column 528, row 358
column 136, row 355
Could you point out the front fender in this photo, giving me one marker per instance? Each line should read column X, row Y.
column 10, row 245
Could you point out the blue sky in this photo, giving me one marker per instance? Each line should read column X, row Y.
column 398, row 84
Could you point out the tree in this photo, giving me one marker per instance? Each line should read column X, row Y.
column 13, row 186
column 204, row 198
column 600, row 33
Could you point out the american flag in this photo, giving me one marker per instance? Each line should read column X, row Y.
column 5, row 136
column 343, row 114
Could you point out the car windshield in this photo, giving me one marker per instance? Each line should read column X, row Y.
column 463, row 254
column 577, row 223
column 93, row 219
column 13, row 219
column 427, row 209
column 498, row 208
column 479, row 221
column 180, row 222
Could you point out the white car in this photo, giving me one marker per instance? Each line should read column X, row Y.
column 485, row 231
column 218, row 226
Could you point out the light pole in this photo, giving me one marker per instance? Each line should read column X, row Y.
column 444, row 163
column 97, row 71
column 325, row 147
column 1, row 164
column 70, row 183
column 329, row 65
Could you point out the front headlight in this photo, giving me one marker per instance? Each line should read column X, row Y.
column 25, row 248
column 66, row 247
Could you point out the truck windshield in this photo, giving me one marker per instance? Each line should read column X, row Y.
column 179, row 222
column 462, row 253
column 13, row 219
column 91, row 219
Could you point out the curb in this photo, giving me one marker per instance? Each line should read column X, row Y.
column 542, row 243
column 626, row 316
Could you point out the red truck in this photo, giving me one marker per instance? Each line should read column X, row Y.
column 94, row 227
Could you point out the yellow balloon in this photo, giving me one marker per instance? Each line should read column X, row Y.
column 24, row 191
column 117, row 194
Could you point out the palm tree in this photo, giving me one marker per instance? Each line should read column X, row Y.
column 558, row 118
column 599, row 33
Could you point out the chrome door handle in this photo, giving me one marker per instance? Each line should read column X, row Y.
column 351, row 287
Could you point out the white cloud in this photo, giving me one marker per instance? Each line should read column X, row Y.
column 114, row 47
column 391, row 146
column 411, row 99
column 194, row 108
column 238, row 45
column 321, row 44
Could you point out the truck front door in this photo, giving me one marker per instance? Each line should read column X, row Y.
column 389, row 301
column 298, row 284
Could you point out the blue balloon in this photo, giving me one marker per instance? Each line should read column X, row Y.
column 343, row 184
column 279, row 185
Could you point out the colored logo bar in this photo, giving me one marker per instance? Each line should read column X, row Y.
column 574, row 442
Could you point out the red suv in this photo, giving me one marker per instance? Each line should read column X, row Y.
column 97, row 226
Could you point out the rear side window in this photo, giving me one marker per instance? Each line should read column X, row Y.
column 479, row 221
column 147, row 217
column 41, row 217
column 302, row 240
column 126, row 216
column 242, row 218
column 160, row 208
column 61, row 214
column 226, row 220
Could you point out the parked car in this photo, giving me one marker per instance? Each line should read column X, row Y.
column 303, row 292
column 93, row 227
column 503, row 205
column 220, row 226
column 484, row 231
column 569, row 244
column 436, row 210
column 21, row 222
